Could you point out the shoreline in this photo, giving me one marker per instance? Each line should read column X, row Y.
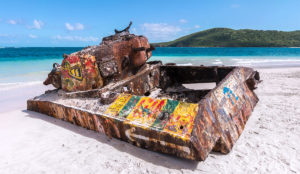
column 39, row 76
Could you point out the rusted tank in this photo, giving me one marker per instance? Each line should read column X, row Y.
column 117, row 57
column 187, row 111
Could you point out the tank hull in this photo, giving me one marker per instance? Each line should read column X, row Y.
column 188, row 123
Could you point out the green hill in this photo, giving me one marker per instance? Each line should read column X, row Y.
column 225, row 37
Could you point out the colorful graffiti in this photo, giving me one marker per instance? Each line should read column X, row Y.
column 146, row 111
column 80, row 72
column 182, row 119
column 75, row 71
column 166, row 115
column 229, row 93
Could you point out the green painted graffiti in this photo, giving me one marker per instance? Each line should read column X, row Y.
column 129, row 106
column 165, row 114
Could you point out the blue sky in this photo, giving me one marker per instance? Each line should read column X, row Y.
column 82, row 23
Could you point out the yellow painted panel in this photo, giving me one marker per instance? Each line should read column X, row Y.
column 182, row 120
column 118, row 104
column 146, row 111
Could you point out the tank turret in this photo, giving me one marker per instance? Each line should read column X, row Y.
column 117, row 57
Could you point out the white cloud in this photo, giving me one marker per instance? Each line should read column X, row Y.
column 77, row 38
column 69, row 27
column 13, row 22
column 32, row 36
column 160, row 31
column 37, row 24
column 183, row 21
column 77, row 26
column 197, row 26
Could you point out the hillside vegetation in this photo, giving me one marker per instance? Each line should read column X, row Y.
column 225, row 37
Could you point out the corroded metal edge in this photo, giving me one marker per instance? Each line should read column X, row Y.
column 221, row 119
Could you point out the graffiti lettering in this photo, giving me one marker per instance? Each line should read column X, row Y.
column 229, row 93
column 73, row 71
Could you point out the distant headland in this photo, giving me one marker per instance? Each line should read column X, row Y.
column 226, row 37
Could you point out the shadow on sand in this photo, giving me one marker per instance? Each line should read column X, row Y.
column 155, row 158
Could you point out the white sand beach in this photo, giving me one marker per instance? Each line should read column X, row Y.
column 34, row 143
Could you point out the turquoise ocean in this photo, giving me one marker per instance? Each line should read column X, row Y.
column 23, row 66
